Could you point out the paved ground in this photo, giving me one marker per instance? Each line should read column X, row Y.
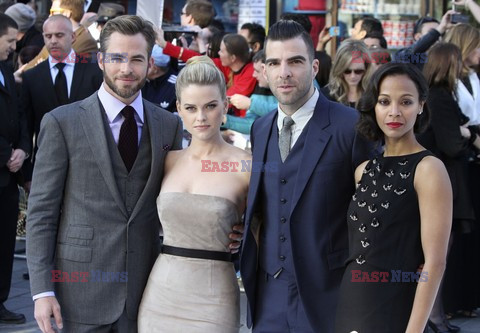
column 20, row 301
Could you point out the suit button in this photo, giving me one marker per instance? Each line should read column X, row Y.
column 282, row 239
column 283, row 220
column 283, row 200
column 283, row 181
column 282, row 258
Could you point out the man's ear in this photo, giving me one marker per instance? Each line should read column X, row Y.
column 362, row 34
column 100, row 60
column 256, row 47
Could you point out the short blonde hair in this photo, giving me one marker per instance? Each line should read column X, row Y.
column 201, row 71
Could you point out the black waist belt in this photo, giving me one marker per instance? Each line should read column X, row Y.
column 199, row 254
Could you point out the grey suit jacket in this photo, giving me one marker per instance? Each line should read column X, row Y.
column 77, row 220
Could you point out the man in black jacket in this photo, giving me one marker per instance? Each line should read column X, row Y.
column 427, row 31
column 40, row 84
column 14, row 145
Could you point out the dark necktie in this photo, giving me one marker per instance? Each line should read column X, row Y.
column 61, row 85
column 128, row 139
column 285, row 138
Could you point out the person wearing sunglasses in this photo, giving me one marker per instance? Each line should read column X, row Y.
column 350, row 73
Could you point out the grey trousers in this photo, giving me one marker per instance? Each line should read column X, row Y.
column 122, row 325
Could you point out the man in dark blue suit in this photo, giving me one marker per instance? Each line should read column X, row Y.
column 296, row 232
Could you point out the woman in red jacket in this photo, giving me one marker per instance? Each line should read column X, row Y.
column 234, row 62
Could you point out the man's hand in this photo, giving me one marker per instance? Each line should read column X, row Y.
column 45, row 308
column 160, row 40
column 16, row 160
column 446, row 22
column 18, row 74
column 240, row 102
column 236, row 237
column 323, row 38
column 465, row 132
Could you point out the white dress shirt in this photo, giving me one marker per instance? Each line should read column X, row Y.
column 2, row 78
column 301, row 117
column 468, row 103
column 113, row 108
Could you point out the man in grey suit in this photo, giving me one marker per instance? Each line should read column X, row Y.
column 92, row 230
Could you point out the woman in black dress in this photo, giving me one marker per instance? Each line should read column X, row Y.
column 400, row 215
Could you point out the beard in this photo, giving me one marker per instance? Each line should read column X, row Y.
column 126, row 92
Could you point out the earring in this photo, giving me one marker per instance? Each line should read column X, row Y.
column 421, row 111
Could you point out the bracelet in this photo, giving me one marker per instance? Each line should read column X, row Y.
column 181, row 52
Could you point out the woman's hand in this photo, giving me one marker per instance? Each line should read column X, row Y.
column 240, row 102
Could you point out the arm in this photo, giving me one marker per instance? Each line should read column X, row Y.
column 239, row 124
column 445, row 123
column 27, row 109
column 44, row 208
column 435, row 201
column 323, row 38
column 5, row 151
column 263, row 104
column 472, row 6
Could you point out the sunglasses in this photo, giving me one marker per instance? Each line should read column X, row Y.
column 57, row 11
column 356, row 71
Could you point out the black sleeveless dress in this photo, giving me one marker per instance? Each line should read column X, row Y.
column 378, row 288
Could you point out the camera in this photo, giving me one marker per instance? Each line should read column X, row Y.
column 334, row 31
column 459, row 18
column 178, row 29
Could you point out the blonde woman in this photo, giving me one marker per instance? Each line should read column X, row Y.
column 351, row 71
column 467, row 39
column 193, row 286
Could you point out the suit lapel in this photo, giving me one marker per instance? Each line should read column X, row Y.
column 78, row 72
column 259, row 151
column 92, row 122
column 155, row 125
column 44, row 74
column 315, row 142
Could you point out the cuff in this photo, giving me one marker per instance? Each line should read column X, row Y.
column 45, row 294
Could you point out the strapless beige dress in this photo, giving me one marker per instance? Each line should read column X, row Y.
column 188, row 294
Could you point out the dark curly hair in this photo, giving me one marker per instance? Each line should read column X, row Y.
column 367, row 124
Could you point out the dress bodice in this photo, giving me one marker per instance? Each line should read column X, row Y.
column 384, row 217
column 196, row 221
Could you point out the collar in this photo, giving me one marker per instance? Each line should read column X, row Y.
column 113, row 106
column 68, row 61
column 302, row 115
